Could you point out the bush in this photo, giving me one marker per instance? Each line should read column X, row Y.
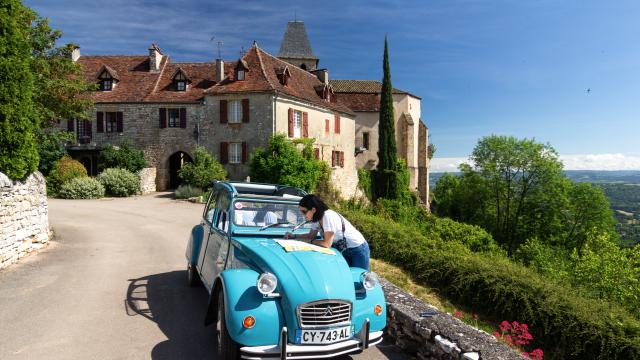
column 82, row 188
column 119, row 182
column 567, row 325
column 204, row 169
column 51, row 147
column 187, row 192
column 364, row 182
column 123, row 157
column 64, row 170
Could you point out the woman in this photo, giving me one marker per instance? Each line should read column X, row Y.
column 336, row 230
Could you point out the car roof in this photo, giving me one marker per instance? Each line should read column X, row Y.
column 266, row 190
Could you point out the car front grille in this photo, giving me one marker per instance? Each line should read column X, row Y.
column 324, row 313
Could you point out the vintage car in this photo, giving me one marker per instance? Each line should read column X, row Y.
column 275, row 298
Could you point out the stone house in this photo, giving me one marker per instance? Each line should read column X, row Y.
column 166, row 108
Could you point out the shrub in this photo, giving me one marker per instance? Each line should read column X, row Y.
column 364, row 182
column 123, row 157
column 119, row 182
column 51, row 147
column 187, row 192
column 567, row 324
column 82, row 188
column 64, row 170
column 204, row 169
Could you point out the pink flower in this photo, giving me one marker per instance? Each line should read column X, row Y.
column 458, row 314
column 497, row 334
column 505, row 326
column 537, row 354
column 508, row 339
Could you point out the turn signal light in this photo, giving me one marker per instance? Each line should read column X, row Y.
column 248, row 322
column 377, row 310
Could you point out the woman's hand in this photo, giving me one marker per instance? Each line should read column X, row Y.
column 289, row 235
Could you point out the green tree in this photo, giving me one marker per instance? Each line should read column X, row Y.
column 386, row 178
column 282, row 163
column 203, row 171
column 18, row 120
column 60, row 81
column 51, row 147
column 122, row 157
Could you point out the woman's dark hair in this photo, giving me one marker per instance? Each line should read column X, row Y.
column 312, row 201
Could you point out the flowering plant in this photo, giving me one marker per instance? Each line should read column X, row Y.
column 517, row 335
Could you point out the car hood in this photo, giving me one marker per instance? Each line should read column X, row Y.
column 303, row 275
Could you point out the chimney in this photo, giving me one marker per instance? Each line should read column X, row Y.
column 75, row 53
column 155, row 58
column 323, row 75
column 219, row 70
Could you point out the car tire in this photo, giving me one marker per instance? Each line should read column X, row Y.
column 192, row 276
column 226, row 348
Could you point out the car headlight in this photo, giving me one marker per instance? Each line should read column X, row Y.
column 370, row 280
column 267, row 283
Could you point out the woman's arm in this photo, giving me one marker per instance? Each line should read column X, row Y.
column 302, row 237
column 326, row 242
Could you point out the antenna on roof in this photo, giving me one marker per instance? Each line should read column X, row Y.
column 220, row 43
column 295, row 15
column 241, row 51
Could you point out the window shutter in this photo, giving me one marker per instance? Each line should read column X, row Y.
column 119, row 121
column 224, row 153
column 183, row 118
column 244, row 152
column 163, row 118
column 333, row 158
column 87, row 129
column 223, row 112
column 316, row 153
column 305, row 124
column 99, row 121
column 327, row 125
column 245, row 110
column 341, row 154
column 290, row 122
column 337, row 124
column 70, row 124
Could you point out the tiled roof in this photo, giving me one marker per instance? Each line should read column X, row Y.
column 359, row 101
column 201, row 75
column 295, row 43
column 361, row 86
column 263, row 76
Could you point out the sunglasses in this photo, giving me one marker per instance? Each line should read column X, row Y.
column 304, row 212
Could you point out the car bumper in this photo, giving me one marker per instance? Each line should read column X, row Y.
column 291, row 351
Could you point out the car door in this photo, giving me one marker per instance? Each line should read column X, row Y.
column 219, row 230
column 207, row 222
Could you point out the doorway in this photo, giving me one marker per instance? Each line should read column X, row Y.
column 176, row 161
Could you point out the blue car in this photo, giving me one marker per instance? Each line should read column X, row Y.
column 275, row 298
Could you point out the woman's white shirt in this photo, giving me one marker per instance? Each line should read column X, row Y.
column 332, row 222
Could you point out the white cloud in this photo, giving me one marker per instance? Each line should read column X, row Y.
column 571, row 162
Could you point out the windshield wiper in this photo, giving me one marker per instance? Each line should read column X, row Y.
column 300, row 225
column 275, row 224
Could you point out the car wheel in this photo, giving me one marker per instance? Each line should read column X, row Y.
column 226, row 348
column 192, row 276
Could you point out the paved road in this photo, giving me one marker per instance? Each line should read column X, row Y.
column 112, row 286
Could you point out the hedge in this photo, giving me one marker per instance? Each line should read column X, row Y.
column 82, row 188
column 119, row 182
column 565, row 324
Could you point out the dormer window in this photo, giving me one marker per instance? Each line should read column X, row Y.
column 241, row 70
column 180, row 80
column 107, row 78
column 325, row 91
column 283, row 75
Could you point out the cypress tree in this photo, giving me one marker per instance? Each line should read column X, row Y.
column 18, row 123
column 386, row 183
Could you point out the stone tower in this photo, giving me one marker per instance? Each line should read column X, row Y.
column 296, row 49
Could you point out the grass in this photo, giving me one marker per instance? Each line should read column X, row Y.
column 396, row 276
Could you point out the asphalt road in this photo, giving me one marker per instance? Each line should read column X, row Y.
column 111, row 285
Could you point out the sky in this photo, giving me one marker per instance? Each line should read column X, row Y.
column 566, row 73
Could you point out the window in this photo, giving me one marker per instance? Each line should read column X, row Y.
column 106, row 85
column 327, row 126
column 235, row 153
column 365, row 140
column 235, row 111
column 180, row 80
column 83, row 132
column 337, row 124
column 337, row 158
column 240, row 74
column 297, row 123
column 111, row 122
column 181, row 85
column 174, row 118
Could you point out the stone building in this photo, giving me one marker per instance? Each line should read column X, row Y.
column 231, row 108
column 363, row 97
column 166, row 108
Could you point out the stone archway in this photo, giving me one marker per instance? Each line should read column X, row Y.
column 176, row 161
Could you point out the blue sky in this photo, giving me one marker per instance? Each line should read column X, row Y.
column 502, row 67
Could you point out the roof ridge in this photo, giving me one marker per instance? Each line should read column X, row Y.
column 264, row 72
column 160, row 73
column 307, row 73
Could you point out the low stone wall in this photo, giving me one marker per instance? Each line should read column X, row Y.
column 24, row 217
column 435, row 334
column 147, row 180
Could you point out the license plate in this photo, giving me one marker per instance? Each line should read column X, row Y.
column 324, row 336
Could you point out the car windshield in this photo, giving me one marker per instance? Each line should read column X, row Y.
column 260, row 214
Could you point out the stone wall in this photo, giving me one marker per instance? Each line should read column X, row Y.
column 422, row 331
column 24, row 217
column 147, row 180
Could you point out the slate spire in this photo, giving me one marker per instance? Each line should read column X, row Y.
column 296, row 48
